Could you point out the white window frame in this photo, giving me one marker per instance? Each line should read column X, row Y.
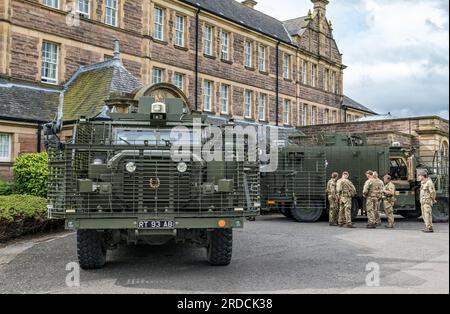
column 82, row 5
column 208, row 40
column 225, row 99
column 225, row 50
column 9, row 147
column 178, row 80
column 155, row 79
column 179, row 30
column 287, row 66
column 262, row 106
column 208, row 90
column 313, row 74
column 158, row 23
column 248, row 54
column 51, row 3
column 112, row 12
column 51, row 63
column 248, row 104
column 262, row 58
column 286, row 112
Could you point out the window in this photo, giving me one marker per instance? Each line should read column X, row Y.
column 51, row 3
column 305, row 115
column 225, row 55
column 326, row 116
column 326, row 80
column 286, row 113
column 208, row 49
column 207, row 101
column 262, row 107
column 334, row 117
column 287, row 66
column 158, row 32
column 179, row 31
column 248, row 97
column 313, row 115
column 224, row 98
column 305, row 73
column 83, row 7
column 262, row 58
column 49, row 63
column 111, row 12
column 313, row 75
column 248, row 54
column 5, row 147
column 333, row 82
column 158, row 75
column 178, row 80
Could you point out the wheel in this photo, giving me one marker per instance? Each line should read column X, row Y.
column 310, row 214
column 285, row 209
column 355, row 208
column 91, row 249
column 440, row 210
column 220, row 247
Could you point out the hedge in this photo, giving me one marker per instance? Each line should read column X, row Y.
column 31, row 174
column 6, row 188
column 24, row 214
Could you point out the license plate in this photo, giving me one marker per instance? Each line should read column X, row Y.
column 156, row 224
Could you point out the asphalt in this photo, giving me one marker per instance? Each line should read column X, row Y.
column 271, row 255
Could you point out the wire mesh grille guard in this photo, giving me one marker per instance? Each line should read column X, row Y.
column 90, row 175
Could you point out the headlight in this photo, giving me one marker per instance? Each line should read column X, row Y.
column 182, row 167
column 131, row 167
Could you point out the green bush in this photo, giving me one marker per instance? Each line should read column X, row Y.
column 30, row 173
column 6, row 188
column 16, row 208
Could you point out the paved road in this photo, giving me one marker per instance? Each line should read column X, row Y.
column 272, row 255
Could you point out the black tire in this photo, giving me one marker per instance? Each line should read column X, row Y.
column 310, row 214
column 285, row 209
column 91, row 249
column 440, row 210
column 220, row 247
column 355, row 208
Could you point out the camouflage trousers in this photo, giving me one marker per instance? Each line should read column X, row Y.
column 389, row 211
column 372, row 206
column 334, row 210
column 345, row 211
column 427, row 214
column 377, row 212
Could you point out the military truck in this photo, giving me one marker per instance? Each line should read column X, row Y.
column 352, row 153
column 116, row 182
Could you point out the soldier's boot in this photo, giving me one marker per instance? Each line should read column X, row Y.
column 428, row 230
column 370, row 226
column 350, row 226
column 333, row 224
column 390, row 226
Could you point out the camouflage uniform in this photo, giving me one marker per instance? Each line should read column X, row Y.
column 427, row 199
column 372, row 192
column 346, row 191
column 380, row 200
column 333, row 200
column 389, row 202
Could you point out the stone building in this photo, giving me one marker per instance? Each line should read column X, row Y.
column 230, row 59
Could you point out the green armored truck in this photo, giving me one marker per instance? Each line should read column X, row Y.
column 117, row 181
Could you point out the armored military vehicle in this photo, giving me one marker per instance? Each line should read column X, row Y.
column 116, row 181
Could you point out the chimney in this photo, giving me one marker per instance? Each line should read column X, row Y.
column 117, row 50
column 250, row 3
column 320, row 6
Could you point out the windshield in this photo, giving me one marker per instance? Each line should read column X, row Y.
column 153, row 137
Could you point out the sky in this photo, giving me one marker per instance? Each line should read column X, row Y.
column 397, row 51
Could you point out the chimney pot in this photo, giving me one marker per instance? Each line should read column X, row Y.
column 250, row 3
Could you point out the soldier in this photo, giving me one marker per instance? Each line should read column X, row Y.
column 333, row 200
column 427, row 200
column 372, row 192
column 380, row 198
column 389, row 200
column 346, row 191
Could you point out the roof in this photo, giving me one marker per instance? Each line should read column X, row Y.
column 26, row 102
column 241, row 14
column 296, row 26
column 353, row 104
column 376, row 118
column 91, row 86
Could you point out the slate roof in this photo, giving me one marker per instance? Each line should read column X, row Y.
column 353, row 104
column 29, row 103
column 296, row 26
column 91, row 86
column 240, row 14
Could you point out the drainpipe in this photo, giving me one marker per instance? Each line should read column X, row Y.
column 39, row 138
column 277, row 85
column 197, row 28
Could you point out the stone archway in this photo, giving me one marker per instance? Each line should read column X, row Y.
column 162, row 91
